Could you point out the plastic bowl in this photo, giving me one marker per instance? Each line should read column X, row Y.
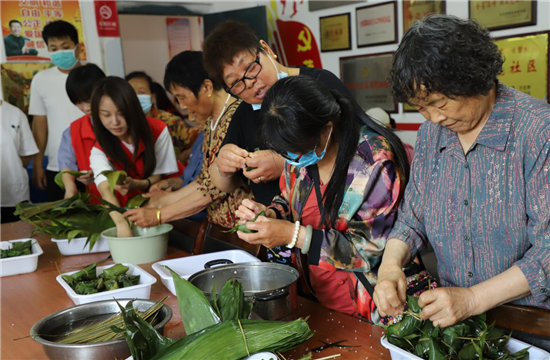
column 147, row 246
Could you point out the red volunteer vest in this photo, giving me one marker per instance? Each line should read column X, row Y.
column 83, row 140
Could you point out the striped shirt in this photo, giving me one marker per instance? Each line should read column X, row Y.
column 488, row 209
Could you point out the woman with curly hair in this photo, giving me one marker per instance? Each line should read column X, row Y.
column 479, row 185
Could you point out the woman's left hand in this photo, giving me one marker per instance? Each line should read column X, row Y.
column 143, row 217
column 271, row 232
column 130, row 184
column 448, row 305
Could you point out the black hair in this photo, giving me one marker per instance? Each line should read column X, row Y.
column 393, row 124
column 225, row 42
column 60, row 29
column 447, row 55
column 186, row 69
column 162, row 100
column 140, row 75
column 297, row 108
column 80, row 82
column 14, row 21
column 125, row 99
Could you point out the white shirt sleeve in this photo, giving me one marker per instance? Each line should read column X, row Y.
column 98, row 164
column 36, row 105
column 165, row 155
column 27, row 145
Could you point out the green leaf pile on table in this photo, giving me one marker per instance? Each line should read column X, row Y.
column 215, row 329
column 86, row 281
column 18, row 248
column 72, row 217
column 470, row 339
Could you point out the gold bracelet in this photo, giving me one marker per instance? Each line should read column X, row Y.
column 158, row 217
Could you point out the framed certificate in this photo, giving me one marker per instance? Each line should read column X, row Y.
column 498, row 15
column 415, row 10
column 376, row 24
column 366, row 76
column 335, row 32
column 526, row 65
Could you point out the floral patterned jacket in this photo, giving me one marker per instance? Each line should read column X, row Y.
column 366, row 215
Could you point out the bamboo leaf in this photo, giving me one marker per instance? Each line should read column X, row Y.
column 196, row 312
column 59, row 177
column 136, row 202
column 114, row 178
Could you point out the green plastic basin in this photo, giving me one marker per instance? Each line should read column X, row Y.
column 148, row 244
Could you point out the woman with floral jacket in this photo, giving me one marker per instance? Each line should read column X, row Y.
column 359, row 169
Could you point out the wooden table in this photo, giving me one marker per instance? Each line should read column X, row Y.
column 27, row 298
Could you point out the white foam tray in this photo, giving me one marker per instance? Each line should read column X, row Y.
column 513, row 345
column 187, row 266
column 20, row 264
column 78, row 246
column 140, row 291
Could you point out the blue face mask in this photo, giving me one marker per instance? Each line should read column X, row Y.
column 280, row 75
column 145, row 102
column 308, row 158
column 64, row 59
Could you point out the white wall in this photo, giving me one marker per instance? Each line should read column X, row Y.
column 330, row 60
column 145, row 43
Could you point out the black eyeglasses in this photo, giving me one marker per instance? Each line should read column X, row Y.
column 250, row 74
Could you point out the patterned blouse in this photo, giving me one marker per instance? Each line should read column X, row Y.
column 224, row 205
column 366, row 215
column 488, row 209
column 183, row 135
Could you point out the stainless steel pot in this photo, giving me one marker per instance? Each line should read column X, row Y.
column 63, row 321
column 272, row 286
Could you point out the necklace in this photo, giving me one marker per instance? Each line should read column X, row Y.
column 214, row 125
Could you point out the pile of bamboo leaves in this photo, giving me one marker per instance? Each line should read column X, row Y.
column 68, row 218
column 86, row 281
column 98, row 332
column 18, row 248
column 73, row 217
column 470, row 339
column 217, row 330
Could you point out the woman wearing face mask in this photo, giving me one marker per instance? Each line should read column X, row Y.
column 183, row 136
column 187, row 80
column 234, row 56
column 343, row 178
column 127, row 140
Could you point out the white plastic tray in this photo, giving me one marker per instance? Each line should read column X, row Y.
column 78, row 246
column 140, row 291
column 20, row 264
column 187, row 266
column 258, row 356
column 513, row 345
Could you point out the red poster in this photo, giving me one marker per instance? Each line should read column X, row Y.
column 106, row 17
column 296, row 44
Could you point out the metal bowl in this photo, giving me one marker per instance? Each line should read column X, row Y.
column 69, row 319
column 271, row 285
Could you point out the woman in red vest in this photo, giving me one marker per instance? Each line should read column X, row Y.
column 127, row 140
column 78, row 139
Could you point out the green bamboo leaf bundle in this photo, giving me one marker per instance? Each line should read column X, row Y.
column 227, row 341
column 142, row 338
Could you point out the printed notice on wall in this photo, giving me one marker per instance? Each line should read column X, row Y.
column 179, row 35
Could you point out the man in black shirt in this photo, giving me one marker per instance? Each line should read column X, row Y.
column 247, row 67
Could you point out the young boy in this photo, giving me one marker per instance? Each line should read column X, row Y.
column 49, row 104
column 78, row 139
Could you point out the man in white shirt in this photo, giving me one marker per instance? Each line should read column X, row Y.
column 18, row 148
column 50, row 105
